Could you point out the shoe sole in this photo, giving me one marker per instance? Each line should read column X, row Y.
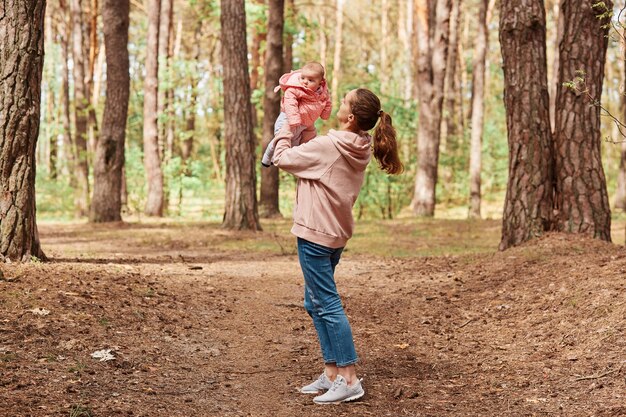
column 345, row 400
column 309, row 392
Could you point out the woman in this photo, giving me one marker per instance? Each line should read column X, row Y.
column 330, row 171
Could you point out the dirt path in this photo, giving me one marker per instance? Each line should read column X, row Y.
column 538, row 330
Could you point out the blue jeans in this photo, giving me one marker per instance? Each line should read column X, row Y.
column 323, row 304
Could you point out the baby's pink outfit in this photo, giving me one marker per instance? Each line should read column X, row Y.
column 300, row 107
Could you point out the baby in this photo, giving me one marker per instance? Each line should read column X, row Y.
column 306, row 98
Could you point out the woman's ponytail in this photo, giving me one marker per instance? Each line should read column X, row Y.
column 366, row 109
column 386, row 146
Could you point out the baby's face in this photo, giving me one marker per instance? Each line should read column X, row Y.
column 310, row 79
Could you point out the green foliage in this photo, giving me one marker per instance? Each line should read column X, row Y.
column 135, row 179
column 55, row 198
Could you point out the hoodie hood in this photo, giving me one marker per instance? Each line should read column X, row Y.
column 292, row 80
column 355, row 148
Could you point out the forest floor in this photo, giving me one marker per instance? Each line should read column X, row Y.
column 201, row 322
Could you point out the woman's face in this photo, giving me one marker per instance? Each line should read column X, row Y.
column 344, row 114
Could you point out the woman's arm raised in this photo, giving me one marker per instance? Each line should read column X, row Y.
column 310, row 160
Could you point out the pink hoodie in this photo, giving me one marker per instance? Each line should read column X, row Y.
column 301, row 105
column 330, row 171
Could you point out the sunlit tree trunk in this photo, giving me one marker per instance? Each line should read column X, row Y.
column 322, row 38
column 68, row 168
column 290, row 15
column 21, row 43
column 164, row 58
column 620, row 191
column 478, row 109
column 93, row 52
column 240, row 203
column 528, row 204
column 450, row 117
column 581, row 199
column 81, row 111
column 432, row 31
column 106, row 205
column 384, row 44
column 558, row 36
column 271, row 104
column 337, row 55
column 190, row 124
column 151, row 156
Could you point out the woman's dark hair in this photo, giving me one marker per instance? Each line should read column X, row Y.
column 365, row 107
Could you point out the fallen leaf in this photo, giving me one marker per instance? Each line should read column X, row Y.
column 40, row 311
column 103, row 355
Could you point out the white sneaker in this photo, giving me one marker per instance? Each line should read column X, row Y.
column 340, row 392
column 320, row 384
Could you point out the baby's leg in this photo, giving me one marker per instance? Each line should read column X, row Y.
column 266, row 160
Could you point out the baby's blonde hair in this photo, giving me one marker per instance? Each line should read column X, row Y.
column 315, row 67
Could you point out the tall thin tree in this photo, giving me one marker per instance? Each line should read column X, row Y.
column 241, row 204
column 106, row 204
column 22, row 46
column 81, row 109
column 581, row 198
column 528, row 204
column 432, row 31
column 478, row 109
column 151, row 155
column 337, row 54
column 271, row 104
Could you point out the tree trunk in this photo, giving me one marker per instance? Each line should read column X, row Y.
column 69, row 153
column 337, row 55
column 21, row 67
column 528, row 204
column 450, row 122
column 405, row 33
column 478, row 109
column 109, row 159
column 190, row 128
column 581, row 199
column 240, row 202
column 271, row 104
column 151, row 157
column 163, row 105
column 81, row 111
column 432, row 30
column 93, row 49
column 558, row 37
column 290, row 15
column 620, row 192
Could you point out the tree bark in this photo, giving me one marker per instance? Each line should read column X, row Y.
column 271, row 105
column 558, row 37
column 93, row 51
column 581, row 198
column 151, row 156
column 109, row 159
column 290, row 14
column 240, row 203
column 164, row 57
column 337, row 55
column 528, row 204
column 22, row 46
column 620, row 192
column 450, row 122
column 69, row 153
column 81, row 110
column 432, row 30
column 478, row 109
